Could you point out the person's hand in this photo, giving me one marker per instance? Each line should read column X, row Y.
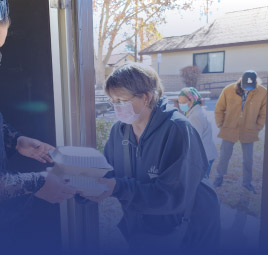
column 35, row 149
column 55, row 190
column 110, row 183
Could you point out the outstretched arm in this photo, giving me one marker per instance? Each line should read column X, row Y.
column 14, row 185
column 10, row 138
column 44, row 185
column 26, row 146
column 35, row 149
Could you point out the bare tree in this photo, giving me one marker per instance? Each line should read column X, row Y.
column 139, row 17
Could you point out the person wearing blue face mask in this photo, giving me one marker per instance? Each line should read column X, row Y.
column 159, row 163
column 240, row 114
column 190, row 103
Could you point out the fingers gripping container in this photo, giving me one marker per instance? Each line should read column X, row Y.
column 81, row 166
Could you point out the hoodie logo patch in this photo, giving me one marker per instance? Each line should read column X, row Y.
column 153, row 172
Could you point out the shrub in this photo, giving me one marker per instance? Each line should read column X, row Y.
column 190, row 75
column 103, row 128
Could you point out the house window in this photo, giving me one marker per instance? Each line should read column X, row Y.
column 210, row 62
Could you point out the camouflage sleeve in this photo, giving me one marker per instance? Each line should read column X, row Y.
column 10, row 138
column 14, row 185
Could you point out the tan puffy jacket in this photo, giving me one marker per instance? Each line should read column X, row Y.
column 236, row 124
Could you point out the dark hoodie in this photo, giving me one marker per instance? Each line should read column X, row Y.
column 168, row 165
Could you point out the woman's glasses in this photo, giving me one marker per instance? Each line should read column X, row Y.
column 120, row 102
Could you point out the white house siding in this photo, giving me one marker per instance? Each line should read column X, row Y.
column 172, row 63
column 169, row 69
column 237, row 60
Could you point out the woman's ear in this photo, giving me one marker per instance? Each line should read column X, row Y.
column 148, row 98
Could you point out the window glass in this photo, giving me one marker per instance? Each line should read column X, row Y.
column 201, row 60
column 211, row 62
column 216, row 62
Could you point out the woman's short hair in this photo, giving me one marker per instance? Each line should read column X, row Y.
column 138, row 79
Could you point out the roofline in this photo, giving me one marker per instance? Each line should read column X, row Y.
column 206, row 47
column 127, row 54
column 248, row 9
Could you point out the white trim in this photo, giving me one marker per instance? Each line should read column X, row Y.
column 57, row 81
column 59, row 112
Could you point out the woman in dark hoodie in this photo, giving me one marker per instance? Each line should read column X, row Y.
column 159, row 163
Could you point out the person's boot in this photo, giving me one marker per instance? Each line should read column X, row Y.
column 218, row 181
column 250, row 187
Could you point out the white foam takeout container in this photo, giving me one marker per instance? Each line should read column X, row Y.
column 81, row 166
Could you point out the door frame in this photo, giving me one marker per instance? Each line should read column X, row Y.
column 71, row 23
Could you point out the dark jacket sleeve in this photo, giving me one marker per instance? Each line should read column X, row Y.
column 183, row 165
column 109, row 146
column 15, row 185
column 10, row 138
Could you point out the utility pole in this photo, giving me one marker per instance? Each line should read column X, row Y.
column 206, row 7
column 136, row 32
column 207, row 11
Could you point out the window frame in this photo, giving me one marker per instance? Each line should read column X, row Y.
column 208, row 52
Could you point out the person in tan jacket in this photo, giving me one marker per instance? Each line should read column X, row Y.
column 240, row 114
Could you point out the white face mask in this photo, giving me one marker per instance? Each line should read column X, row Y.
column 125, row 112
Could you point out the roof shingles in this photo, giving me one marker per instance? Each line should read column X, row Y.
column 232, row 28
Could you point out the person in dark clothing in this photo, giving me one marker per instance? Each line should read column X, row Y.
column 44, row 185
column 20, row 231
column 168, row 206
